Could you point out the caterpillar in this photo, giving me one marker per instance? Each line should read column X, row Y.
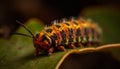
column 65, row 34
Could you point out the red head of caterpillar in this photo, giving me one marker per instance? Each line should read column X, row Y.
column 65, row 34
column 40, row 40
column 42, row 43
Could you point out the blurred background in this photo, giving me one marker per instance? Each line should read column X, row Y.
column 104, row 12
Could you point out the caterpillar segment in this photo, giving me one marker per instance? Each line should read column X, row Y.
column 66, row 34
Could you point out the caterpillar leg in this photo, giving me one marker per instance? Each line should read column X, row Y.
column 89, row 44
column 50, row 51
column 36, row 52
column 79, row 45
column 61, row 48
column 72, row 46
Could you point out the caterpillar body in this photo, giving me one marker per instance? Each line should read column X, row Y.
column 66, row 34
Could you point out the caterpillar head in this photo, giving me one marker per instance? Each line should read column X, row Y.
column 42, row 42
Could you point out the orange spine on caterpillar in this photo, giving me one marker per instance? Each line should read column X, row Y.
column 65, row 34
